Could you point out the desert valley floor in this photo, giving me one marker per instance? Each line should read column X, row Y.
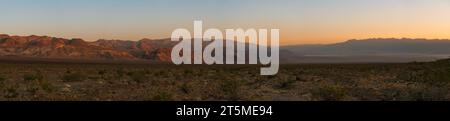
column 28, row 80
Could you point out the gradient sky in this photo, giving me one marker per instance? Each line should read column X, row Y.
column 299, row 21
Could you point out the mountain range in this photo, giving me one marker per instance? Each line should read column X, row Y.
column 366, row 50
column 52, row 47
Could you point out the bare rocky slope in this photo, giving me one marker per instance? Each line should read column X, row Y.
column 52, row 47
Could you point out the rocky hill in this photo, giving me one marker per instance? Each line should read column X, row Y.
column 52, row 47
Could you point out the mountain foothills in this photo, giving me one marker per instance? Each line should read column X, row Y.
column 367, row 50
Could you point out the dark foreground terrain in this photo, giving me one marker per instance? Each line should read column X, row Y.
column 25, row 80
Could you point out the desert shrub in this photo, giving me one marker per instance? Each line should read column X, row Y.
column 392, row 94
column 186, row 88
column 2, row 81
column 46, row 86
column 138, row 76
column 430, row 73
column 329, row 92
column 159, row 73
column 231, row 89
column 129, row 73
column 167, row 74
column 2, row 78
column 33, row 77
column 284, row 83
column 102, row 72
column 148, row 71
column 363, row 93
column 71, row 77
column 11, row 91
column 427, row 93
column 288, row 84
column 32, row 88
column 439, row 75
column 188, row 72
column 162, row 96
column 120, row 72
column 420, row 94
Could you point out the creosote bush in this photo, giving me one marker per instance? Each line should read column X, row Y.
column 72, row 77
column 329, row 92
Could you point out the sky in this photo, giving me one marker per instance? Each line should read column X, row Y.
column 299, row 21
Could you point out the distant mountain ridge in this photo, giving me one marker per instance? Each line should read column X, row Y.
column 376, row 46
column 366, row 50
column 52, row 47
column 372, row 50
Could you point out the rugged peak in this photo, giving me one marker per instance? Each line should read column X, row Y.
column 77, row 42
column 3, row 36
